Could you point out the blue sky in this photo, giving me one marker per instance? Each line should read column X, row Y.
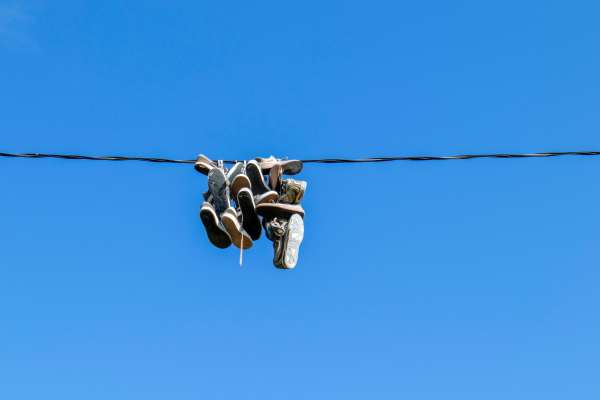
column 455, row 280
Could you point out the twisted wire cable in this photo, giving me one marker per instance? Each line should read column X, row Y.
column 312, row 161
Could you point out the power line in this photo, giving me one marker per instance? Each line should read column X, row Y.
column 321, row 160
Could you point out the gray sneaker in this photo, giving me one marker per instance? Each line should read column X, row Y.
column 219, row 190
column 214, row 230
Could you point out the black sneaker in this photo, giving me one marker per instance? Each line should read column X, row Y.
column 238, row 235
column 214, row 230
column 250, row 220
column 219, row 189
column 256, row 178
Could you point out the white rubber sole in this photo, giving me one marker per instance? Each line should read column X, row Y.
column 293, row 239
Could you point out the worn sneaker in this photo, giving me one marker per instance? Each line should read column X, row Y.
column 256, row 178
column 266, row 163
column 235, row 170
column 269, row 197
column 237, row 179
column 250, row 220
column 287, row 237
column 290, row 247
column 219, row 190
column 238, row 235
column 214, row 230
column 275, row 177
column 275, row 230
column 204, row 164
column 290, row 167
column 278, row 210
column 239, row 182
column 292, row 191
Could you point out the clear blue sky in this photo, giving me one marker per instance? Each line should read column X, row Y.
column 441, row 280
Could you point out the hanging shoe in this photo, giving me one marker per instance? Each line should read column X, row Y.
column 238, row 235
column 278, row 210
column 256, row 178
column 219, row 190
column 250, row 220
column 270, row 197
column 266, row 163
column 289, row 167
column 292, row 191
column 287, row 237
column 275, row 230
column 214, row 230
column 237, row 179
column 290, row 244
column 240, row 182
column 275, row 177
column 262, row 193
column 204, row 164
column 234, row 171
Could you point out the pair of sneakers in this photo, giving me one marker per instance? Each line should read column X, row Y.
column 283, row 220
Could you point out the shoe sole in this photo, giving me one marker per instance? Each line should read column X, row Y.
column 203, row 168
column 270, row 197
column 290, row 167
column 293, row 240
column 250, row 220
column 273, row 210
column 233, row 229
column 216, row 235
column 257, row 181
column 217, row 184
column 238, row 183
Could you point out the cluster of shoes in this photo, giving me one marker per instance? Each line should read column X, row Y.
column 238, row 197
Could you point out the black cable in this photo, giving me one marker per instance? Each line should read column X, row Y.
column 322, row 161
column 96, row 158
column 454, row 157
